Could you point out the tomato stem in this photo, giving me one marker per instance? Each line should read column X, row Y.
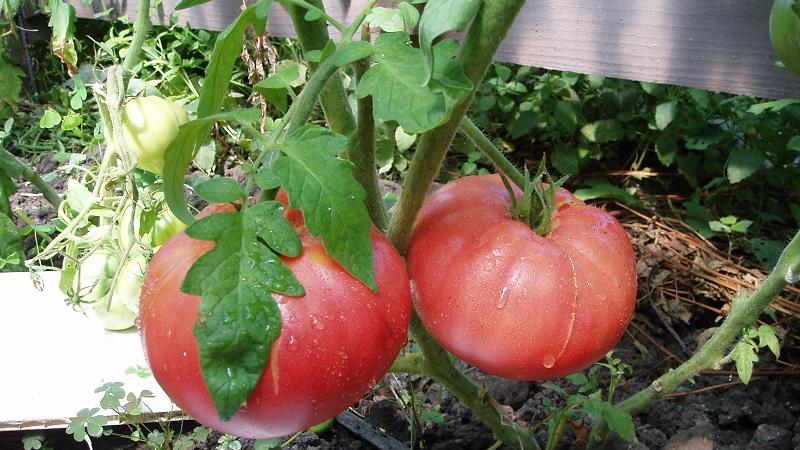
column 333, row 98
column 744, row 312
column 141, row 28
column 475, row 55
column 363, row 155
column 438, row 366
column 487, row 147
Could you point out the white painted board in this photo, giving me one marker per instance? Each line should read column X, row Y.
column 53, row 357
column 719, row 45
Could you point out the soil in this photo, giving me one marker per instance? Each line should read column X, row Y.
column 716, row 411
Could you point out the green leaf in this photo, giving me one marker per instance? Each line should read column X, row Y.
column 700, row 97
column 352, row 52
column 181, row 151
column 87, row 422
column 220, row 190
column 619, row 422
column 665, row 114
column 185, row 4
column 62, row 22
column 410, row 15
column 71, row 121
column 439, row 17
column 227, row 51
column 793, row 144
column 238, row 318
column 603, row 189
column 387, row 19
column 745, row 356
column 773, row 106
column 396, row 81
column 767, row 251
column 11, row 251
column 742, row 163
column 282, row 78
column 266, row 179
column 602, row 131
column 767, row 338
column 332, row 201
column 666, row 148
column 50, row 118
column 566, row 114
column 10, row 81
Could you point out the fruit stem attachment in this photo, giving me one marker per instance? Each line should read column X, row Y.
column 471, row 131
column 743, row 313
column 537, row 203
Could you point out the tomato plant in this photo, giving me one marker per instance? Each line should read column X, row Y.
column 511, row 302
column 149, row 124
column 784, row 32
column 336, row 341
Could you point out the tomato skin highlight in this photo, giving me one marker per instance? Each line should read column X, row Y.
column 336, row 342
column 513, row 303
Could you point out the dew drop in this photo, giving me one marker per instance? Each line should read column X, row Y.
column 318, row 324
column 501, row 302
column 292, row 343
column 792, row 276
column 229, row 371
column 549, row 361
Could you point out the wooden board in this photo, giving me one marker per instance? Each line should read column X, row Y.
column 54, row 358
column 719, row 45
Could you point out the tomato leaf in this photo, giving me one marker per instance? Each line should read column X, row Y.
column 220, row 190
column 397, row 83
column 742, row 163
column 239, row 319
column 745, row 356
column 191, row 136
column 182, row 149
column 323, row 187
column 439, row 17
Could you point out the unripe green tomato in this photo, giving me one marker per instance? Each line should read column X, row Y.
column 149, row 124
column 119, row 309
column 784, row 32
column 167, row 225
column 93, row 281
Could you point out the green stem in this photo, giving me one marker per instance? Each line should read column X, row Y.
column 5, row 205
column 141, row 28
column 319, row 9
column 333, row 98
column 745, row 312
column 302, row 108
column 487, row 31
column 14, row 165
column 363, row 156
column 437, row 364
column 487, row 147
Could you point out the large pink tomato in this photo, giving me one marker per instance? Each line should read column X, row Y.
column 335, row 343
column 509, row 301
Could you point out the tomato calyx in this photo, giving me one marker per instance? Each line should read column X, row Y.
column 537, row 204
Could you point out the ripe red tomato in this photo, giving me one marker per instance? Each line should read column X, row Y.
column 511, row 302
column 336, row 342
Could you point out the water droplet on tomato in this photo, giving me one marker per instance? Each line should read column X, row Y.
column 501, row 302
column 318, row 324
column 549, row 361
column 292, row 343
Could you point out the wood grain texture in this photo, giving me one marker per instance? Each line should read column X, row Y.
column 719, row 45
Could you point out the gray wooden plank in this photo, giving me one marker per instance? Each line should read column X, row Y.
column 720, row 45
